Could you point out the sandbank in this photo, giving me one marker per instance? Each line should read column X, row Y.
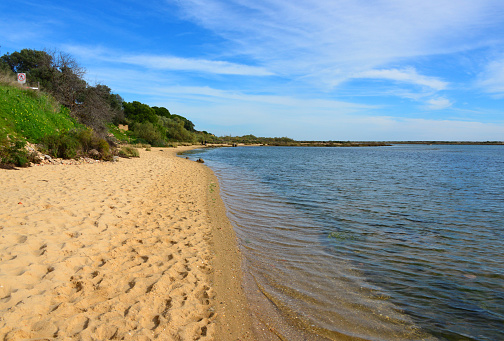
column 138, row 249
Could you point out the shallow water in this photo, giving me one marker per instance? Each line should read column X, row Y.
column 379, row 243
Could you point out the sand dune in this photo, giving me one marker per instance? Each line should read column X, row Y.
column 120, row 250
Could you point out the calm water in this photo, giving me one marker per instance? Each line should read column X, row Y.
column 382, row 243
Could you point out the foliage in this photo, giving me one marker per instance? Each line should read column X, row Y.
column 74, row 143
column 250, row 139
column 128, row 151
column 97, row 107
column 31, row 114
column 149, row 133
column 119, row 134
column 38, row 116
column 64, row 145
column 188, row 125
column 7, row 77
column 175, row 130
column 160, row 111
column 13, row 153
column 139, row 112
column 59, row 74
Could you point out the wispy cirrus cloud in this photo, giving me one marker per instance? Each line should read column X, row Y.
column 333, row 40
column 164, row 62
column 491, row 79
column 195, row 65
column 407, row 75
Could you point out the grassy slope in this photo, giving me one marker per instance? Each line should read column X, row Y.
column 30, row 114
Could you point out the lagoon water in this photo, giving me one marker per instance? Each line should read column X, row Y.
column 378, row 243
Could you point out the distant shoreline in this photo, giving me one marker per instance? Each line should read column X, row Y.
column 351, row 143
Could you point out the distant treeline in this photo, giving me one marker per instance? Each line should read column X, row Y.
column 449, row 142
column 286, row 141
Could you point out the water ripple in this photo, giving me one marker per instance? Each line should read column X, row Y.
column 397, row 243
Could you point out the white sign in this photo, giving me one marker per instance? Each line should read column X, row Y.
column 21, row 77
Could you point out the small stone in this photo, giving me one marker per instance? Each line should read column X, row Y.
column 94, row 153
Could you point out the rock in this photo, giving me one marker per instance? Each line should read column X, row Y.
column 115, row 158
column 200, row 161
column 94, row 154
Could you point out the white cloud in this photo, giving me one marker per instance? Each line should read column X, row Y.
column 194, row 65
column 438, row 103
column 491, row 80
column 407, row 75
column 154, row 62
column 329, row 41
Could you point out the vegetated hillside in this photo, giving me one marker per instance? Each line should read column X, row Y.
column 28, row 115
column 68, row 118
column 96, row 106
column 31, row 115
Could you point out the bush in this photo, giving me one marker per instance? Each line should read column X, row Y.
column 65, row 145
column 13, row 153
column 75, row 143
column 104, row 148
column 86, row 138
column 148, row 132
column 128, row 152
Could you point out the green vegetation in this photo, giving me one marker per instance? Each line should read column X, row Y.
column 343, row 236
column 31, row 114
column 67, row 117
column 250, row 140
column 75, row 143
column 13, row 153
column 128, row 151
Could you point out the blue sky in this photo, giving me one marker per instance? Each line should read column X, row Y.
column 306, row 69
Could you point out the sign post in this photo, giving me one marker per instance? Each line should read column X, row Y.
column 21, row 78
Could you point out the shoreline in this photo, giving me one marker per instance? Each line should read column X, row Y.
column 139, row 249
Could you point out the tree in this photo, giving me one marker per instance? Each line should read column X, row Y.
column 57, row 72
column 188, row 125
column 163, row 112
column 139, row 112
column 27, row 60
column 93, row 109
column 66, row 83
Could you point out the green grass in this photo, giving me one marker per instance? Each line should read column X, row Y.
column 119, row 134
column 31, row 114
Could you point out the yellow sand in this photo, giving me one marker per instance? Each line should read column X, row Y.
column 136, row 250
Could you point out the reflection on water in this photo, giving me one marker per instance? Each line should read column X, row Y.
column 375, row 243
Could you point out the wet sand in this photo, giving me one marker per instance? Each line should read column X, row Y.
column 140, row 249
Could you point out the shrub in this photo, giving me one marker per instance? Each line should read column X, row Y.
column 86, row 138
column 13, row 153
column 159, row 143
column 104, row 148
column 65, row 145
column 128, row 152
column 71, row 144
column 148, row 132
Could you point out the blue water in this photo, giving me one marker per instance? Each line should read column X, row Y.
column 379, row 243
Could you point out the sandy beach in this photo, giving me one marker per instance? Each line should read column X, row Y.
column 138, row 249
